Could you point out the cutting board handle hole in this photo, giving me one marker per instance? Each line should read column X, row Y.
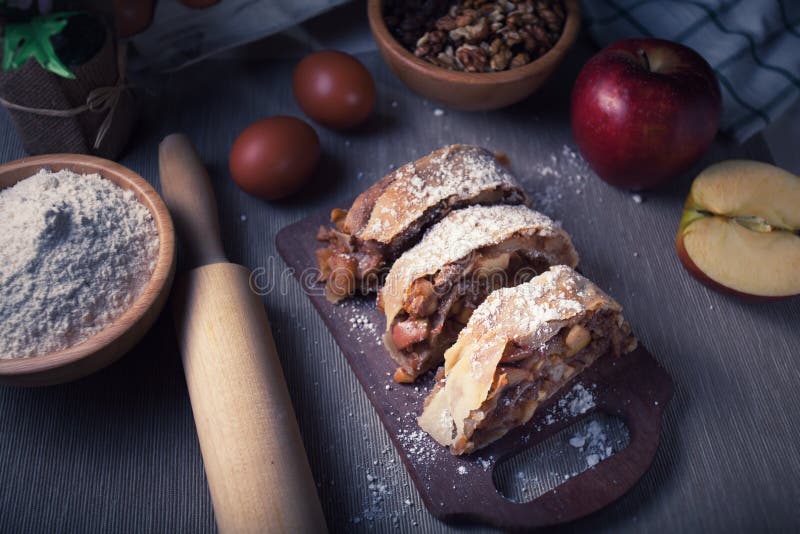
column 546, row 465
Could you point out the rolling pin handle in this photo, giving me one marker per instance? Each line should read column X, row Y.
column 191, row 201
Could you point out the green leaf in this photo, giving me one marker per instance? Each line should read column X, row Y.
column 12, row 40
column 25, row 40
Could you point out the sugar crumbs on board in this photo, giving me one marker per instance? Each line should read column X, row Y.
column 360, row 323
column 577, row 401
column 356, row 315
column 418, row 445
column 592, row 441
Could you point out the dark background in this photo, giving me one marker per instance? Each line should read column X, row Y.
column 117, row 451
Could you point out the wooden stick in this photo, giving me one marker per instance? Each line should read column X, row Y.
column 257, row 470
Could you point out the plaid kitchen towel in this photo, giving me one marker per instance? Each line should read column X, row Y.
column 753, row 46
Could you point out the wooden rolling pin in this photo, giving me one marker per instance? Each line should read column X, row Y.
column 257, row 469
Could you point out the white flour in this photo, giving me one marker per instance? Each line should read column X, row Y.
column 75, row 253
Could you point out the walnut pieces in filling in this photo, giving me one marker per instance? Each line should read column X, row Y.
column 520, row 347
column 347, row 266
column 428, row 324
column 433, row 288
column 393, row 213
column 528, row 376
column 477, row 35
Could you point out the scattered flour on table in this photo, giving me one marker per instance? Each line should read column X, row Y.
column 550, row 181
column 75, row 252
column 378, row 491
column 383, row 495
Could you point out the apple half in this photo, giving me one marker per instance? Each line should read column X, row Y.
column 740, row 229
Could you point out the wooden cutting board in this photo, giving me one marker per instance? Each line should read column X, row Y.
column 461, row 489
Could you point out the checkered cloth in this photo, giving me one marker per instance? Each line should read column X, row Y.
column 753, row 46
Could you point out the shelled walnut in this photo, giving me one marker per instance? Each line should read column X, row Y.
column 477, row 35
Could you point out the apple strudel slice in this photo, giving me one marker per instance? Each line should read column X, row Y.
column 392, row 215
column 434, row 287
column 519, row 348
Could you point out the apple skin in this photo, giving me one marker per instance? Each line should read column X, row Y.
column 704, row 279
column 698, row 274
column 644, row 110
column 726, row 236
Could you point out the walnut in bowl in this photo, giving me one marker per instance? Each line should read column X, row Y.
column 472, row 54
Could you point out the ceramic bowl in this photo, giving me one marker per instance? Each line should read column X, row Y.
column 470, row 91
column 111, row 343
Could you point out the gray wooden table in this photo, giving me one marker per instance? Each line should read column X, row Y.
column 117, row 451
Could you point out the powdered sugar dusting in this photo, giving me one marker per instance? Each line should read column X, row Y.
column 457, row 235
column 582, row 402
column 529, row 314
column 355, row 313
column 453, row 172
column 577, row 401
column 593, row 442
column 567, row 454
column 418, row 445
column 361, row 323
column 526, row 311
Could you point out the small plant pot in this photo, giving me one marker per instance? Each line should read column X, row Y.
column 33, row 87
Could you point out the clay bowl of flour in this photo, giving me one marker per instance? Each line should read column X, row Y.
column 88, row 269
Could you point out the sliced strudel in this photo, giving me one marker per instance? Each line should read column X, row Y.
column 519, row 348
column 392, row 215
column 434, row 287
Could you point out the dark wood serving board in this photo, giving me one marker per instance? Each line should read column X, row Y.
column 461, row 489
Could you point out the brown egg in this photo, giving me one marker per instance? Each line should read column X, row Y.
column 273, row 158
column 334, row 89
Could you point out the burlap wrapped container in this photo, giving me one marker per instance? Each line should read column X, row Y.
column 33, row 87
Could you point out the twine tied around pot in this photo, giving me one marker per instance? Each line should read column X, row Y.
column 99, row 100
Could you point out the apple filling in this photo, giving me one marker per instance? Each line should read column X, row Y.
column 437, row 307
column 527, row 376
column 349, row 265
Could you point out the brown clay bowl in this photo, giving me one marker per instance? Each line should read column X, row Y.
column 111, row 343
column 470, row 91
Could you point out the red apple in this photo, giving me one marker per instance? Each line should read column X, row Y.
column 644, row 110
